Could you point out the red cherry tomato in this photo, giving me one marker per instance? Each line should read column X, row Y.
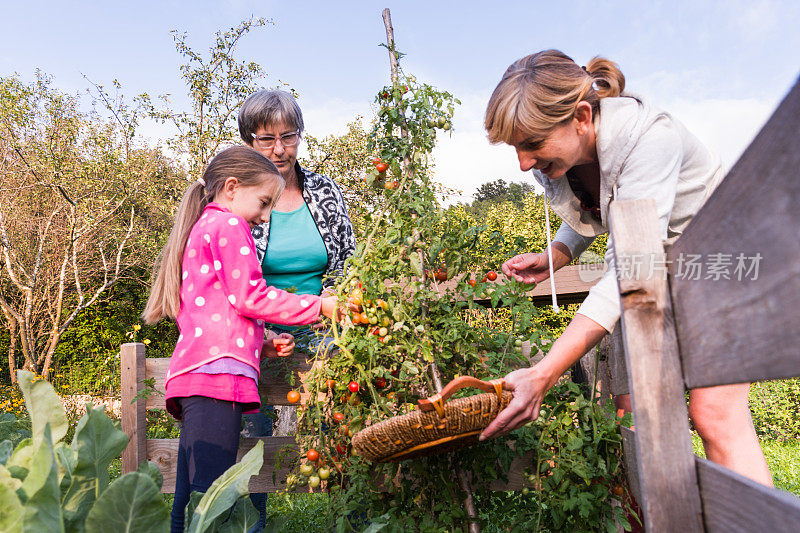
column 341, row 450
column 472, row 283
column 353, row 387
column 312, row 455
column 491, row 275
column 380, row 382
column 338, row 417
column 381, row 167
column 330, row 383
column 376, row 160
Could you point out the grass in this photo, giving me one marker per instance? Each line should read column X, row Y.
column 783, row 458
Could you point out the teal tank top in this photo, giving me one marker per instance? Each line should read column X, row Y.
column 296, row 256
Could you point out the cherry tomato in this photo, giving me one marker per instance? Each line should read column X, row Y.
column 380, row 382
column 353, row 387
column 617, row 490
column 313, row 482
column 338, row 417
column 376, row 160
column 440, row 274
column 472, row 283
column 292, row 396
column 324, row 473
column 306, row 469
column 330, row 383
column 381, row 167
column 491, row 275
column 341, row 450
column 312, row 455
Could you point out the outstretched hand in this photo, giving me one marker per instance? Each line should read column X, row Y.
column 527, row 268
column 528, row 389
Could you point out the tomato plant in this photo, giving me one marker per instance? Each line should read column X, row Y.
column 409, row 331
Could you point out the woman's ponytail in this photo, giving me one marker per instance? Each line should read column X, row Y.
column 607, row 76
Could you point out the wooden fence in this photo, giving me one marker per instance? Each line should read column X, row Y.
column 681, row 333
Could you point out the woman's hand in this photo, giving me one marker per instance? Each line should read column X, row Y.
column 527, row 268
column 528, row 387
column 278, row 346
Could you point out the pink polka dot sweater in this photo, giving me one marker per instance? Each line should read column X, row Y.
column 224, row 303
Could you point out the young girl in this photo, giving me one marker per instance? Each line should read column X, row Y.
column 209, row 280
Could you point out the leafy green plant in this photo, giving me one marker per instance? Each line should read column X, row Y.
column 49, row 485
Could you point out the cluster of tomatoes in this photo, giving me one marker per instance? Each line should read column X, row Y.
column 381, row 167
column 377, row 315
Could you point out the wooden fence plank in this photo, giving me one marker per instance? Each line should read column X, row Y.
column 753, row 211
column 630, row 458
column 273, row 384
column 133, row 415
column 733, row 503
column 164, row 454
column 668, row 482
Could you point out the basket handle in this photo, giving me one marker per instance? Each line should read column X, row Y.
column 437, row 400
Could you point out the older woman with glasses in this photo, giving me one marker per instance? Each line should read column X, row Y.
column 304, row 245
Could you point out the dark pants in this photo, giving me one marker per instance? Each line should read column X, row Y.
column 207, row 448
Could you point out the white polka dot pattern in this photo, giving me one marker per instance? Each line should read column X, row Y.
column 232, row 221
column 204, row 269
column 216, row 317
column 217, row 265
column 240, row 342
column 198, row 332
column 223, row 242
column 236, row 274
column 244, row 250
column 200, row 301
column 185, row 274
column 272, row 295
column 232, row 300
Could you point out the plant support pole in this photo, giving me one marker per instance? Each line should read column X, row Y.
column 463, row 481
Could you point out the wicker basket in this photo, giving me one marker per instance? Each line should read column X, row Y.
column 436, row 426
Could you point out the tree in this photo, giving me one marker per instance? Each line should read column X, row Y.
column 70, row 185
column 218, row 85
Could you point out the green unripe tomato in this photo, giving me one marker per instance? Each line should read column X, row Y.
column 306, row 469
column 373, row 320
column 518, row 343
column 324, row 473
column 526, row 491
column 313, row 482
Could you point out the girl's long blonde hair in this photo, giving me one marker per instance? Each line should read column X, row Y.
column 249, row 168
column 542, row 91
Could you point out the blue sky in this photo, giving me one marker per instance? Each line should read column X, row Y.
column 721, row 67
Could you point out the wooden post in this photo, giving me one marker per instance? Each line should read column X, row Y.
column 670, row 497
column 133, row 414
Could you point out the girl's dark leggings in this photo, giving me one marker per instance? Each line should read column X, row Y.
column 207, row 448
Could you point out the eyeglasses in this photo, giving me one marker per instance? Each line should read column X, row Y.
column 287, row 139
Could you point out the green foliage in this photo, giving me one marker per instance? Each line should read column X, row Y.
column 226, row 492
column 49, row 485
column 775, row 406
